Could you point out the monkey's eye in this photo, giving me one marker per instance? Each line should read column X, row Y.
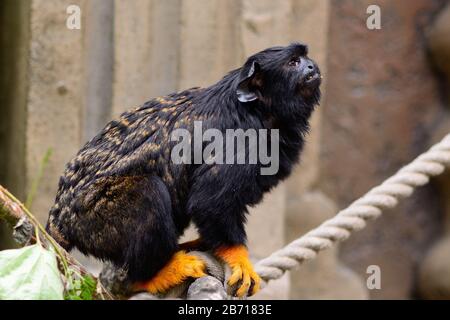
column 294, row 62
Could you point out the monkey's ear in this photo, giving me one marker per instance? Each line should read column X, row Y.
column 247, row 89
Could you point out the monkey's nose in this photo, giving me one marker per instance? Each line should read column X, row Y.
column 311, row 72
column 309, row 69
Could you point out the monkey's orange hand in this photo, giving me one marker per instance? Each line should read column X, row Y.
column 242, row 273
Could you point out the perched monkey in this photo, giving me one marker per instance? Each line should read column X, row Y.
column 122, row 198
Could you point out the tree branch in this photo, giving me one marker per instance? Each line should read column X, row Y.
column 23, row 222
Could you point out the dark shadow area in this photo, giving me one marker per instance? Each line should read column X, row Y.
column 14, row 32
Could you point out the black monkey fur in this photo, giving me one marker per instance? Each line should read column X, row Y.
column 122, row 198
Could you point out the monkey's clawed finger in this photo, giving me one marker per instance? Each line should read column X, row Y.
column 243, row 281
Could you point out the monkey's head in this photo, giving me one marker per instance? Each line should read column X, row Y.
column 282, row 79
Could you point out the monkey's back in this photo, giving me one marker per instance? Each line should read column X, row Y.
column 136, row 144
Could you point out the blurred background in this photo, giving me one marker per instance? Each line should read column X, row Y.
column 385, row 101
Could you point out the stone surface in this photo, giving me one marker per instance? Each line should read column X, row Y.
column 206, row 288
column 210, row 41
column 275, row 290
column 434, row 274
column 53, row 119
column 147, row 51
column 442, row 182
column 132, row 54
column 99, row 64
column 324, row 277
column 382, row 105
column 439, row 44
column 434, row 271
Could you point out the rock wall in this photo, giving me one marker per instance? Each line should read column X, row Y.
column 434, row 270
column 383, row 104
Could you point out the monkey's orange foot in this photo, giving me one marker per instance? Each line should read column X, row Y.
column 242, row 273
column 181, row 267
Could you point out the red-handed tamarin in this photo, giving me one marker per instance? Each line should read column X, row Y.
column 123, row 199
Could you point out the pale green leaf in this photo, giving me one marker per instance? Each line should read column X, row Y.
column 30, row 273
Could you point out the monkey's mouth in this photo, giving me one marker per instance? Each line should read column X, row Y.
column 313, row 80
column 309, row 84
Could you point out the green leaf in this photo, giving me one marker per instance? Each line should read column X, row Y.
column 83, row 289
column 88, row 287
column 30, row 273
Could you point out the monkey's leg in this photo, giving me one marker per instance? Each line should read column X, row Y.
column 160, row 241
column 220, row 223
column 128, row 220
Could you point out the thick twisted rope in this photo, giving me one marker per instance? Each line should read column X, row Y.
column 354, row 217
